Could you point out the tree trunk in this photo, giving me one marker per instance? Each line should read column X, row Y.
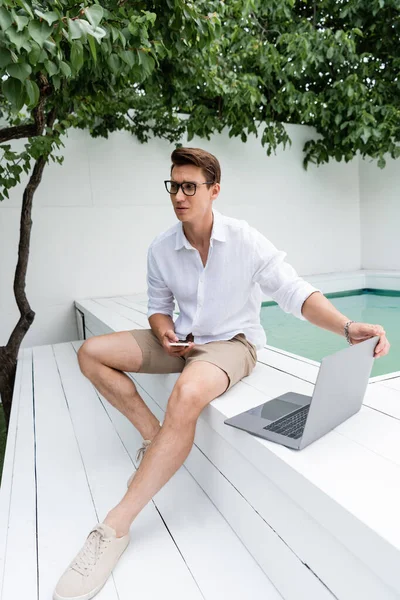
column 9, row 353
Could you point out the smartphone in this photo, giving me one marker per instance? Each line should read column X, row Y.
column 180, row 343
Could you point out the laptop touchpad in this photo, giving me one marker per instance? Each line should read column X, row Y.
column 274, row 409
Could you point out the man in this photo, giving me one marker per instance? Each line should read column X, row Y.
column 215, row 267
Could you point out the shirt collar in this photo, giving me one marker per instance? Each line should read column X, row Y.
column 217, row 232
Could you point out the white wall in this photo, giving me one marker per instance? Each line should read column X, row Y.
column 94, row 217
column 380, row 214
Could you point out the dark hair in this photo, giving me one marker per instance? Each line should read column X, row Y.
column 200, row 158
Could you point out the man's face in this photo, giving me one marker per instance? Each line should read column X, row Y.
column 192, row 208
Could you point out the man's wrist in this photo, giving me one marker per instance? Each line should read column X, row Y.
column 346, row 331
column 160, row 324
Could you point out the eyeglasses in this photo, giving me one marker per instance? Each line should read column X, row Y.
column 188, row 187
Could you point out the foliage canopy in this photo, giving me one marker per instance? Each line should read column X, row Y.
column 163, row 67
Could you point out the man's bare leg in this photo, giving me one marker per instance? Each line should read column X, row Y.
column 198, row 385
column 121, row 392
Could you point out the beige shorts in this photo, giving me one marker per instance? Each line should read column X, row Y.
column 237, row 356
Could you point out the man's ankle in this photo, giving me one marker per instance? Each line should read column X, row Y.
column 155, row 432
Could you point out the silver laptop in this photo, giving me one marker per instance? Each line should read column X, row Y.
column 296, row 420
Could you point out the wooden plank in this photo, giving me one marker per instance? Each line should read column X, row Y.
column 66, row 511
column 376, row 431
column 140, row 307
column 217, row 559
column 273, row 350
column 384, row 399
column 392, row 383
column 18, row 493
column 382, row 378
column 118, row 308
column 108, row 466
column 110, row 319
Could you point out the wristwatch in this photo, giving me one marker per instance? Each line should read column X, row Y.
column 346, row 331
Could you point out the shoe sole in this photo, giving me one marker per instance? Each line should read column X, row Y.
column 91, row 594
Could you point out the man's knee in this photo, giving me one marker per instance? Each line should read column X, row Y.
column 86, row 354
column 185, row 402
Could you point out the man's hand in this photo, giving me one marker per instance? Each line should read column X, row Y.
column 359, row 332
column 170, row 336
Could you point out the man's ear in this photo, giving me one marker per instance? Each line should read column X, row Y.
column 216, row 190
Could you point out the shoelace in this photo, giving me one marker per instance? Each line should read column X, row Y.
column 142, row 450
column 93, row 548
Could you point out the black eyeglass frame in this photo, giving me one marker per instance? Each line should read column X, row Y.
column 166, row 181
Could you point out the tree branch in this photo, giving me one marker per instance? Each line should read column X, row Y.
column 36, row 128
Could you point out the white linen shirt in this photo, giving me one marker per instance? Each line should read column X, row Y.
column 222, row 299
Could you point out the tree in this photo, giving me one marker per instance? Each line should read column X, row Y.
column 332, row 64
column 63, row 65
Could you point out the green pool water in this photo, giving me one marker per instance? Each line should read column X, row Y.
column 378, row 307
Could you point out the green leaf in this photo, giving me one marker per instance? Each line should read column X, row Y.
column 37, row 54
column 5, row 18
column 51, row 67
column 56, row 81
column 75, row 32
column 122, row 38
column 146, row 61
column 94, row 14
column 13, row 90
column 20, row 71
column 330, row 53
column 49, row 16
column 381, row 162
column 24, row 5
column 21, row 21
column 5, row 57
column 128, row 57
column 39, row 31
column 33, row 93
column 92, row 45
column 150, row 16
column 50, row 46
column 65, row 69
column 77, row 56
column 98, row 33
column 18, row 38
column 114, row 33
column 114, row 63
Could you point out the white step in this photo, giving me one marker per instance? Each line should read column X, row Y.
column 333, row 505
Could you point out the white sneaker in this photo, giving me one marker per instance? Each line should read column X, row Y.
column 92, row 566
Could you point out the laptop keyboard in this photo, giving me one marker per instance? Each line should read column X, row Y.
column 292, row 425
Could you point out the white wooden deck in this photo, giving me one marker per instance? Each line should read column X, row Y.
column 243, row 516
column 67, row 464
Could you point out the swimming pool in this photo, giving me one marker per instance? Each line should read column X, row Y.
column 374, row 306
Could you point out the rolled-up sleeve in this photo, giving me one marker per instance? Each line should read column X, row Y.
column 160, row 297
column 278, row 279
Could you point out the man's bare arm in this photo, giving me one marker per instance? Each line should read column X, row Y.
column 318, row 310
column 160, row 323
